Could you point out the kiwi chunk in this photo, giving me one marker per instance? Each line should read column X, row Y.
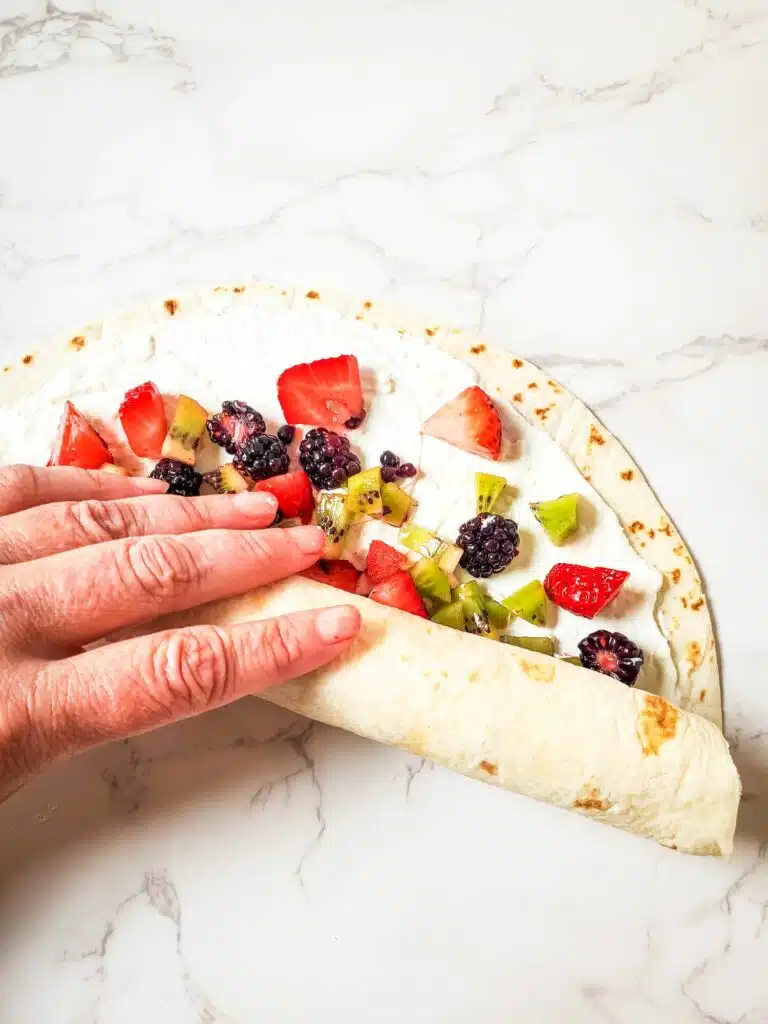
column 364, row 493
column 396, row 504
column 488, row 490
column 529, row 603
column 448, row 556
column 540, row 644
column 431, row 581
column 226, row 480
column 333, row 517
column 450, row 615
column 498, row 615
column 559, row 517
column 471, row 590
column 476, row 619
column 420, row 540
column 185, row 431
column 573, row 659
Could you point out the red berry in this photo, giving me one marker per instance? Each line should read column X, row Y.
column 582, row 589
column 383, row 561
column 470, row 422
column 399, row 591
column 293, row 492
column 77, row 443
column 336, row 572
column 325, row 392
column 142, row 415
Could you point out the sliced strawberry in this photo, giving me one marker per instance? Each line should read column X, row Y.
column 293, row 492
column 383, row 561
column 142, row 416
column 582, row 589
column 324, row 393
column 399, row 591
column 336, row 572
column 77, row 443
column 364, row 585
column 470, row 422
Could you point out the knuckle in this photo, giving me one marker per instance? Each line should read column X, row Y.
column 18, row 487
column 162, row 567
column 93, row 521
column 192, row 671
column 279, row 646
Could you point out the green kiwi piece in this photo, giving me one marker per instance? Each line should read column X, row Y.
column 333, row 517
column 364, row 493
column 431, row 581
column 540, row 644
column 185, row 431
column 396, row 504
column 498, row 615
column 559, row 517
column 450, row 615
column 448, row 556
column 476, row 619
column 529, row 603
column 420, row 540
column 471, row 590
column 488, row 490
column 573, row 659
column 226, row 480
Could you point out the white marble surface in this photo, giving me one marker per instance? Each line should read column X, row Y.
column 585, row 183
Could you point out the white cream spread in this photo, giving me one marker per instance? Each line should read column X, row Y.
column 239, row 354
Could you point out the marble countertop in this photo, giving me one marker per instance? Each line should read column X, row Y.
column 586, row 184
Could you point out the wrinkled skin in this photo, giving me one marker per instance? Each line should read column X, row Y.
column 85, row 553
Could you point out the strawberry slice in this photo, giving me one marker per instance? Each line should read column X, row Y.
column 77, row 443
column 293, row 492
column 399, row 591
column 323, row 393
column 582, row 589
column 383, row 561
column 142, row 416
column 336, row 572
column 470, row 422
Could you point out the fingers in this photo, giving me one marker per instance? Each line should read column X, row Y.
column 26, row 486
column 49, row 529
column 136, row 685
column 79, row 596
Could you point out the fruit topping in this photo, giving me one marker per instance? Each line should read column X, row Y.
column 488, row 490
column 333, row 517
column 326, row 392
column 572, row 660
column 336, row 572
column 406, row 469
column 388, row 458
column 583, row 589
column 364, row 585
column 399, row 591
column 529, row 603
column 231, row 427
column 431, row 581
column 181, row 478
column 559, row 517
column 326, row 458
column 388, row 474
column 261, row 456
column 286, row 433
column 489, row 543
column 185, row 431
column 419, row 539
column 477, row 620
column 142, row 415
column 470, row 422
column 364, row 497
column 227, row 480
column 498, row 614
column 395, row 504
column 293, row 492
column 540, row 644
column 450, row 615
column 613, row 654
column 383, row 561
column 448, row 556
column 77, row 443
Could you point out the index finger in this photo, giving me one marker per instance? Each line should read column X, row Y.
column 23, row 487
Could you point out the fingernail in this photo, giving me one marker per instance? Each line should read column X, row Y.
column 309, row 539
column 336, row 624
column 255, row 502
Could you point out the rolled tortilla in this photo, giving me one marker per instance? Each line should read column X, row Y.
column 529, row 723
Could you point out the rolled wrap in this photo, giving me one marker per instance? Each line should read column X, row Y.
column 513, row 718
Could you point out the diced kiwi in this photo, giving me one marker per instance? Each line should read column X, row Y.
column 420, row 540
column 541, row 644
column 471, row 590
column 333, row 517
column 559, row 517
column 430, row 580
column 573, row 659
column 488, row 490
column 476, row 619
column 364, row 493
column 226, row 480
column 498, row 615
column 450, row 615
column 448, row 556
column 529, row 603
column 185, row 431
column 395, row 504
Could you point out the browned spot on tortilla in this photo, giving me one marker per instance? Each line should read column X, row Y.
column 543, row 412
column 477, row 349
column 517, row 363
column 657, row 723
column 313, row 295
column 541, row 673
column 6, row 369
column 666, row 528
column 626, row 474
column 591, row 801
column 77, row 343
column 238, row 288
column 702, row 695
column 436, row 687
column 697, row 604
column 555, row 387
column 473, row 677
column 219, row 288
column 636, row 526
column 533, row 384
column 430, row 331
column 651, row 532
column 283, row 292
column 587, row 477
column 489, row 767
column 678, row 550
column 675, row 575
column 693, row 654
column 684, row 602
column 367, row 304
column 517, row 397
column 595, row 437
column 27, row 360
column 358, row 316
column 171, row 306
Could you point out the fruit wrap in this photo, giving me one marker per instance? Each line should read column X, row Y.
column 516, row 719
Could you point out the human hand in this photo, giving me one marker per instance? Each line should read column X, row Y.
column 85, row 553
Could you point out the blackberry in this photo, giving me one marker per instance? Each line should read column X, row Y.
column 354, row 421
column 613, row 654
column 326, row 458
column 406, row 469
column 388, row 474
column 262, row 456
column 489, row 543
column 234, row 425
column 388, row 458
column 181, row 478
column 286, row 433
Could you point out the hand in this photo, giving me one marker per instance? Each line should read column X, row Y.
column 85, row 553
